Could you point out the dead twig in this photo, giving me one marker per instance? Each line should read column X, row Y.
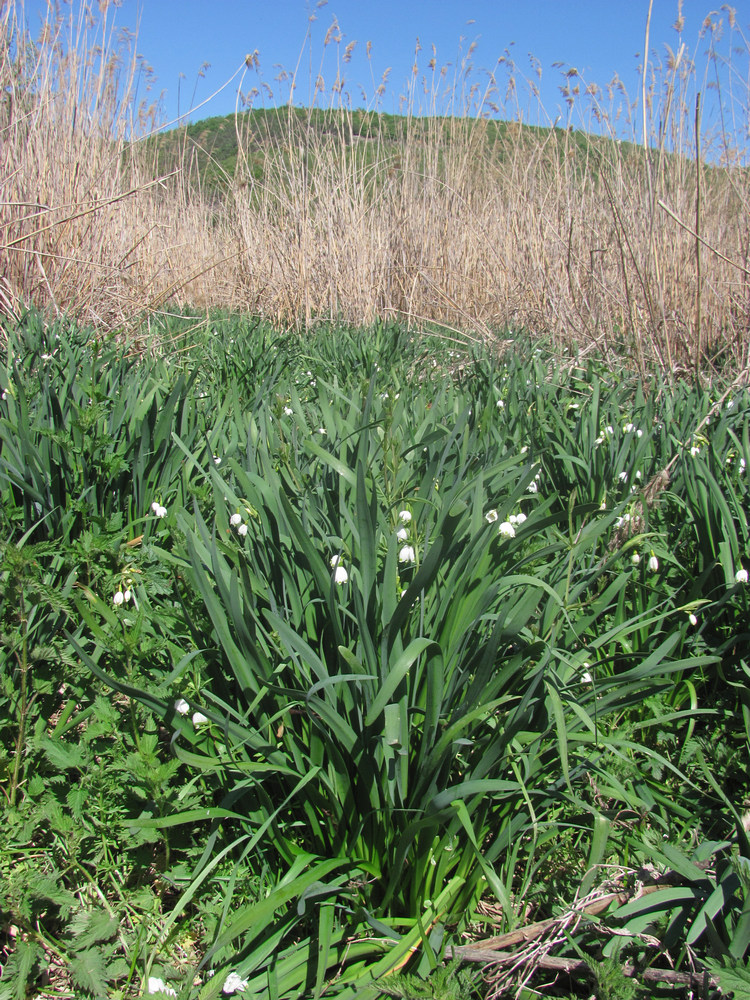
column 571, row 966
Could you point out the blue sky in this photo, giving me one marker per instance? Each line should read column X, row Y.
column 597, row 37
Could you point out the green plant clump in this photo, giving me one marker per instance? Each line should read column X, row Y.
column 323, row 656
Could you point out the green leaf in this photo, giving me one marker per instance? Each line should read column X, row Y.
column 396, row 673
column 93, row 926
column 732, row 979
column 89, row 972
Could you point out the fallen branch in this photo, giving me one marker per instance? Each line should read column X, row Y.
column 571, row 966
column 523, row 935
column 525, row 950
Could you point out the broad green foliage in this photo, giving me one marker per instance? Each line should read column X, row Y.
column 312, row 645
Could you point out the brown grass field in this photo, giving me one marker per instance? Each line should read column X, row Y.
column 614, row 246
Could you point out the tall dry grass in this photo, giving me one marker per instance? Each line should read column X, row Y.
column 87, row 226
column 641, row 244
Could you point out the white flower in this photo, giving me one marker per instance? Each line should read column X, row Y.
column 692, row 619
column 622, row 521
column 217, row 460
column 199, row 719
column 242, row 530
column 586, row 677
column 635, row 559
column 532, row 487
column 127, row 595
column 402, row 534
column 520, row 518
column 405, row 516
column 740, row 576
column 181, row 706
column 623, row 477
column 235, row 519
column 158, row 510
column 118, row 598
column 507, row 530
column 742, row 465
column 695, row 450
column 159, row 986
column 491, row 516
column 335, row 560
column 524, row 449
column 288, row 411
column 407, row 554
column 234, row 984
column 653, row 563
column 500, row 404
column 609, row 429
column 322, row 430
column 340, row 575
column 628, row 428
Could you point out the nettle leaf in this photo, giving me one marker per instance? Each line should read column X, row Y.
column 19, row 969
column 63, row 756
column 732, row 978
column 45, row 888
column 90, row 972
column 91, row 926
column 77, row 800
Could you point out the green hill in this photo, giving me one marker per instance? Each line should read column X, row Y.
column 210, row 149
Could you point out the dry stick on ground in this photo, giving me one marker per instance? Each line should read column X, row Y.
column 536, row 941
column 573, row 965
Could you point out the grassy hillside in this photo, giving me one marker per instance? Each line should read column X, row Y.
column 211, row 149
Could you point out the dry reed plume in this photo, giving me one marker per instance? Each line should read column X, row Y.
column 639, row 245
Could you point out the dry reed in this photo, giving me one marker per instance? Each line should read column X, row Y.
column 456, row 220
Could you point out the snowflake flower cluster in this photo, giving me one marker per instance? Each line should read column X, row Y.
column 340, row 574
column 507, row 529
column 182, row 707
column 236, row 521
column 632, row 429
column 407, row 553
